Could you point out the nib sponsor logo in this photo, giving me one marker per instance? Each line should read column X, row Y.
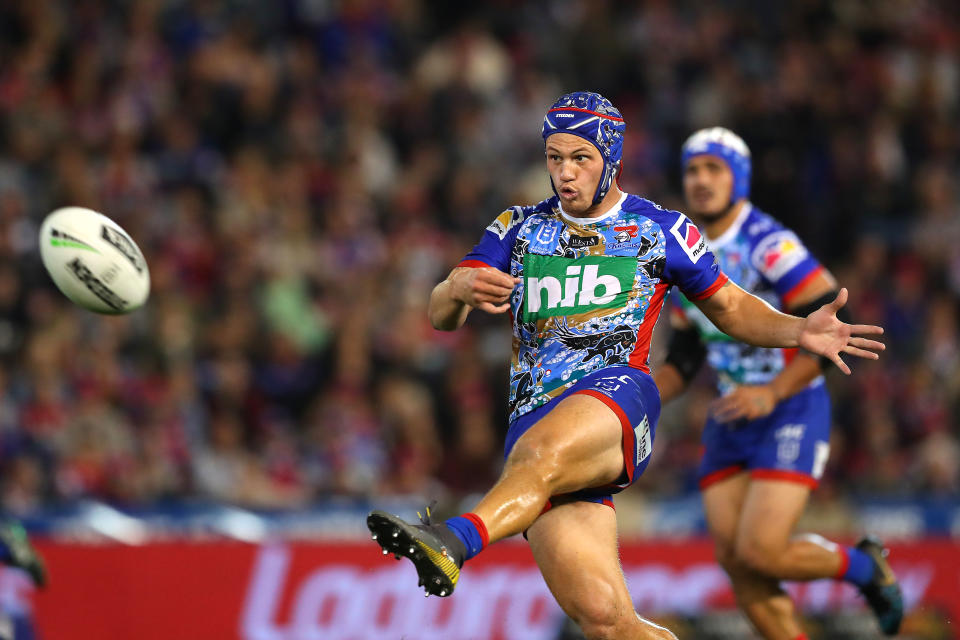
column 558, row 286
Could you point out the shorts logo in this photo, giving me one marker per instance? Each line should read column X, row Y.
column 788, row 443
column 644, row 443
column 778, row 253
column 610, row 384
column 558, row 286
column 689, row 237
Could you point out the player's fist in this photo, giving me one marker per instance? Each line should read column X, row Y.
column 484, row 288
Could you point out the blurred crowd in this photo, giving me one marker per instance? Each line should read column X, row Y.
column 301, row 173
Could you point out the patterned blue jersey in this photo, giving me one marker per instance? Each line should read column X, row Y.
column 592, row 288
column 769, row 261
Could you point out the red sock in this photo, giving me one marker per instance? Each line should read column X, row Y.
column 481, row 527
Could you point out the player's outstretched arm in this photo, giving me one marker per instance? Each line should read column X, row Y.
column 749, row 319
column 466, row 288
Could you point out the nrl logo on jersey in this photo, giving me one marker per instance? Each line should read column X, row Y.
column 558, row 286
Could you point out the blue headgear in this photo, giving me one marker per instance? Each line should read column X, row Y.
column 595, row 119
column 730, row 148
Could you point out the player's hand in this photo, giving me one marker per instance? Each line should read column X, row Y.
column 826, row 336
column 748, row 402
column 484, row 288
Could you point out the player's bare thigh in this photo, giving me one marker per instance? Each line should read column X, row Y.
column 765, row 539
column 575, row 546
column 771, row 509
column 722, row 506
column 577, row 445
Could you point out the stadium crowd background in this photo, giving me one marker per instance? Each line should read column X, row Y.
column 300, row 174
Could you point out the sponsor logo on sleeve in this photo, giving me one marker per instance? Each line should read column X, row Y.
column 690, row 238
column 778, row 253
column 505, row 222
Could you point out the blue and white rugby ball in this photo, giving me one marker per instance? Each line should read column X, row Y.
column 93, row 261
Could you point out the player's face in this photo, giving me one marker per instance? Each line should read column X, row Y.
column 576, row 168
column 707, row 185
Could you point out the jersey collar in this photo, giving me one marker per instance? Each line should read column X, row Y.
column 614, row 210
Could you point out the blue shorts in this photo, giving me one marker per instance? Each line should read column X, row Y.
column 633, row 396
column 792, row 443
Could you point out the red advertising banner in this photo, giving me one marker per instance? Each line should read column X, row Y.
column 349, row 591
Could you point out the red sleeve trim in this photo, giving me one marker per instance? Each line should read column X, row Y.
column 786, row 476
column 718, row 475
column 788, row 297
column 474, row 264
column 844, row 562
column 721, row 280
column 789, row 355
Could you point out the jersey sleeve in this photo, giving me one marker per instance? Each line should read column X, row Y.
column 690, row 265
column 495, row 246
column 784, row 262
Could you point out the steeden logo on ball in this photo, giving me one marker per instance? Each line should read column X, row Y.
column 93, row 261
